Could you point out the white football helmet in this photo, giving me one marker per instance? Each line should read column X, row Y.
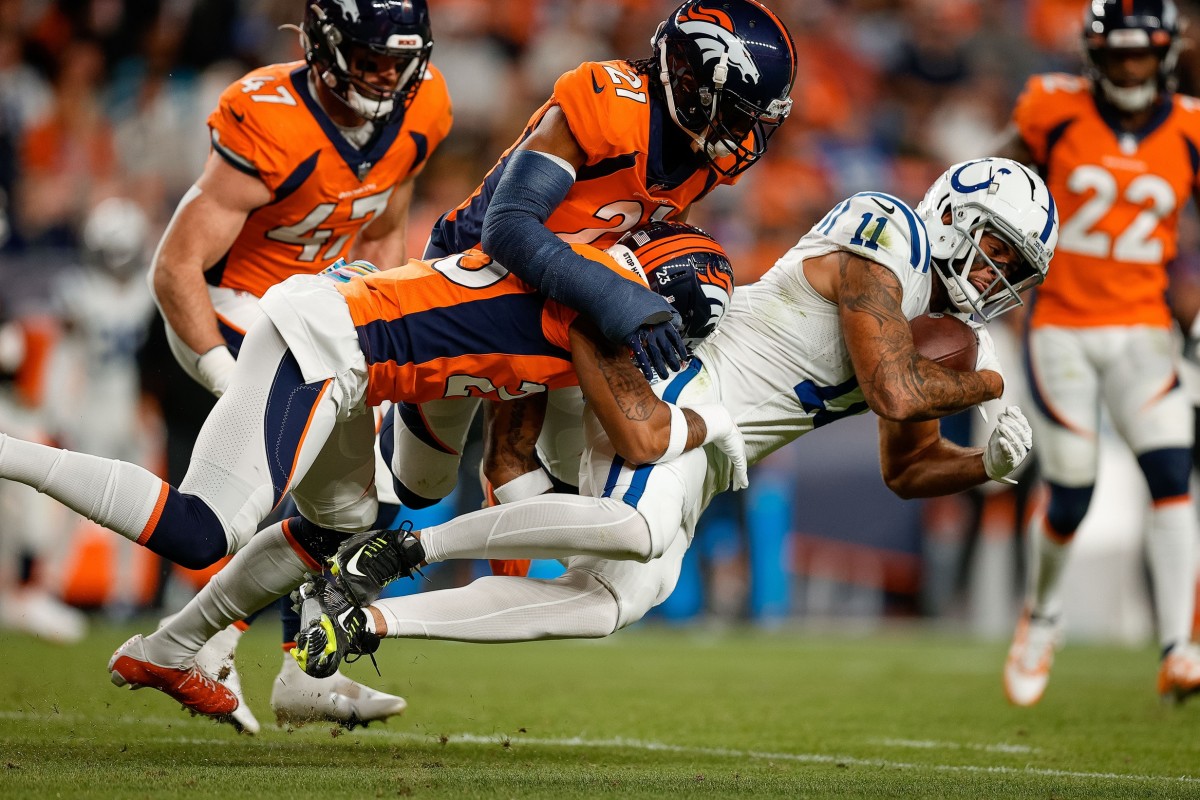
column 114, row 237
column 989, row 195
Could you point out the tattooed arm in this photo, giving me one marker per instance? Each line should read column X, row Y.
column 898, row 383
column 637, row 423
column 512, row 430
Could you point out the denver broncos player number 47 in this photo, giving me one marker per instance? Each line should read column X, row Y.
column 619, row 144
column 310, row 161
column 1121, row 153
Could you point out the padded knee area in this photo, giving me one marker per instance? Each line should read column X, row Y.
column 387, row 449
column 188, row 532
column 1068, row 505
column 1167, row 471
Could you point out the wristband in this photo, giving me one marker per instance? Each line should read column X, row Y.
column 679, row 434
column 522, row 487
column 1194, row 331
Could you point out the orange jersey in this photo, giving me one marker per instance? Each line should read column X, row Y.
column 1119, row 196
column 461, row 326
column 622, row 184
column 324, row 191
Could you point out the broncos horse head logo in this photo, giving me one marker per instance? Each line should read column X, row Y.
column 715, row 39
column 349, row 9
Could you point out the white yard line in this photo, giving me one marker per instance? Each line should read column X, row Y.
column 639, row 744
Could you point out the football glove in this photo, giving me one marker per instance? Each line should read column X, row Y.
column 1008, row 446
column 724, row 433
column 658, row 348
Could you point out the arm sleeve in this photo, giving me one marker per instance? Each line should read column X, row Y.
column 514, row 233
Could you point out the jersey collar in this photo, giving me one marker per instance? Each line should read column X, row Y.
column 359, row 161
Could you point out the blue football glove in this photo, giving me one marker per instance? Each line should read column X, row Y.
column 658, row 347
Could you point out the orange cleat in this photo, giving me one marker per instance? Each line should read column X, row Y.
column 192, row 687
column 1179, row 675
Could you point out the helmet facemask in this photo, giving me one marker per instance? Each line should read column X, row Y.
column 351, row 69
column 971, row 221
column 1149, row 28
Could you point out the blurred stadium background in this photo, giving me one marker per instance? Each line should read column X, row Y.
column 108, row 98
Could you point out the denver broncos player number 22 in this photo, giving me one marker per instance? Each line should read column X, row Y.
column 310, row 161
column 1121, row 153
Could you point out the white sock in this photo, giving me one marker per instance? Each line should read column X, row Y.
column 120, row 496
column 264, row 570
column 1047, row 560
column 547, row 526
column 505, row 609
column 1170, row 548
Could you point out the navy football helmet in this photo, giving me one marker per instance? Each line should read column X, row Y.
column 727, row 70
column 687, row 267
column 349, row 40
column 1110, row 25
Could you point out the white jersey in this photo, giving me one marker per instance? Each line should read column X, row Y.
column 778, row 364
column 778, row 358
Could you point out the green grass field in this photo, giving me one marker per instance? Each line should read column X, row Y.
column 651, row 712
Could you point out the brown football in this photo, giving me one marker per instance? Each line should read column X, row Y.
column 945, row 339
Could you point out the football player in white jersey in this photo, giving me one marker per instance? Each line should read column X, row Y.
column 825, row 334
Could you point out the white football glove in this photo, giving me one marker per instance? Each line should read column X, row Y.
column 215, row 368
column 986, row 356
column 724, row 433
column 1008, row 446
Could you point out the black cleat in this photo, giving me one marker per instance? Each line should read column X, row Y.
column 331, row 629
column 366, row 562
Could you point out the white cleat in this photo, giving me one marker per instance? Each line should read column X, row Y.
column 1179, row 674
column 37, row 612
column 299, row 698
column 1027, row 670
column 216, row 659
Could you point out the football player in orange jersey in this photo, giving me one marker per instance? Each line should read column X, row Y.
column 310, row 161
column 1121, row 154
column 296, row 419
column 618, row 144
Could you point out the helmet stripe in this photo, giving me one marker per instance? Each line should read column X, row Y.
column 787, row 36
column 656, row 252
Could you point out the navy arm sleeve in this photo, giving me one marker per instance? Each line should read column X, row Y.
column 515, row 234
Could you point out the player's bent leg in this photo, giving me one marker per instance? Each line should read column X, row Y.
column 497, row 609
column 274, row 563
column 422, row 446
column 548, row 526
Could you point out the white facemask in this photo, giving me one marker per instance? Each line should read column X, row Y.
column 1130, row 98
column 367, row 108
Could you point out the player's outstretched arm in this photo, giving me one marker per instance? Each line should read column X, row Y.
column 917, row 462
column 538, row 176
column 642, row 428
column 203, row 228
column 898, row 383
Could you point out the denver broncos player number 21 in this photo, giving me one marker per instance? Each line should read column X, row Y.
column 310, row 161
column 619, row 144
column 1121, row 153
